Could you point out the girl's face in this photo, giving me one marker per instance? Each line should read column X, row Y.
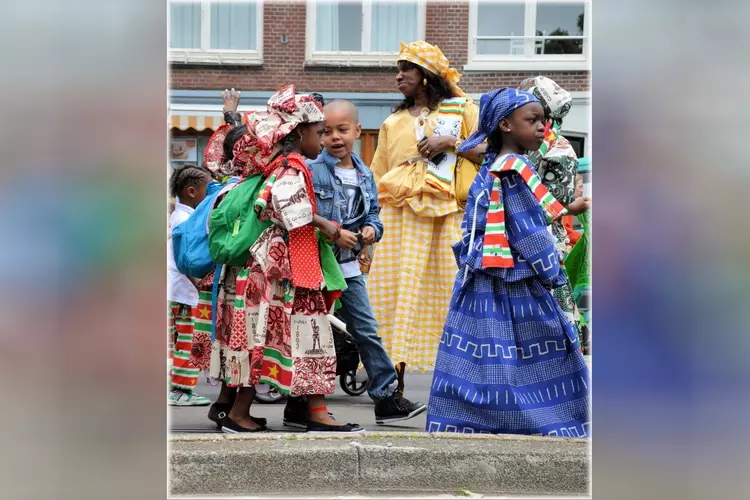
column 409, row 79
column 526, row 126
column 579, row 186
column 311, row 140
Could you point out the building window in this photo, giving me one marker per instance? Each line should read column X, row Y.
column 532, row 35
column 361, row 33
column 578, row 143
column 214, row 32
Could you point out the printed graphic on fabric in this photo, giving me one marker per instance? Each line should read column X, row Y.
column 312, row 336
column 238, row 367
column 290, row 201
column 352, row 211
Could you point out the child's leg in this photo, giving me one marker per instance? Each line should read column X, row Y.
column 240, row 412
column 184, row 374
column 227, row 394
column 316, row 406
column 172, row 331
column 360, row 321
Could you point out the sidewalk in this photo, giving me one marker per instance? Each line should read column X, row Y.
column 376, row 463
column 359, row 409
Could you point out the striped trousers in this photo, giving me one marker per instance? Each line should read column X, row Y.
column 184, row 375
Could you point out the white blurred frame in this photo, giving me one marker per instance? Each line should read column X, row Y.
column 523, row 56
column 205, row 54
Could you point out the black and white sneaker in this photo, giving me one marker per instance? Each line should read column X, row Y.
column 295, row 413
column 396, row 408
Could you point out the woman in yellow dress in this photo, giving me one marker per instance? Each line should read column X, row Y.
column 413, row 269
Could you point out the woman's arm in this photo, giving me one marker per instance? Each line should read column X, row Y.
column 435, row 145
column 379, row 164
column 470, row 123
column 475, row 155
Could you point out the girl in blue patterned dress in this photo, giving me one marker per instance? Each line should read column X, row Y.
column 509, row 360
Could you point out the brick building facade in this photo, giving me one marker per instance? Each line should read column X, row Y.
column 284, row 53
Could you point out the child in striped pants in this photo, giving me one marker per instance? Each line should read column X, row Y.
column 188, row 185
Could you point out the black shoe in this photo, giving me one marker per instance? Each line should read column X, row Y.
column 396, row 408
column 347, row 428
column 295, row 413
column 229, row 426
column 219, row 408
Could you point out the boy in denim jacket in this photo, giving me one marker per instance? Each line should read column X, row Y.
column 345, row 193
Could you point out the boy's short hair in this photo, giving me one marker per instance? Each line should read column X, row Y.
column 187, row 175
column 343, row 103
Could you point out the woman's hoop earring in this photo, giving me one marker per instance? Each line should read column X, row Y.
column 424, row 81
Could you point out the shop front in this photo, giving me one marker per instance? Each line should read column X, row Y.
column 195, row 114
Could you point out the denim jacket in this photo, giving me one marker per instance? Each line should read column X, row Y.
column 329, row 195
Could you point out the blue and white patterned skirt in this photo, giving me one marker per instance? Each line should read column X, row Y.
column 508, row 363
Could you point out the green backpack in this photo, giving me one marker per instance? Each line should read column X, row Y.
column 335, row 280
column 234, row 226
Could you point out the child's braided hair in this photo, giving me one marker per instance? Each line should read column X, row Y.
column 187, row 175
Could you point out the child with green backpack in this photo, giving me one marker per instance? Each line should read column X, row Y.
column 271, row 304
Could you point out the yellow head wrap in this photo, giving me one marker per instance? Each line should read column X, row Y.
column 431, row 58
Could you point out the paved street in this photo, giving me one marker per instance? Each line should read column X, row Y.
column 359, row 409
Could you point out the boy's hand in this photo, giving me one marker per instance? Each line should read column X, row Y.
column 347, row 240
column 368, row 233
column 364, row 259
column 579, row 205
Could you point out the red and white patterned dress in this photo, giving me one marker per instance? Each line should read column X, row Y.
column 269, row 330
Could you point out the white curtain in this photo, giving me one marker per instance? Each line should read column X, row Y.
column 184, row 25
column 393, row 23
column 326, row 26
column 234, row 26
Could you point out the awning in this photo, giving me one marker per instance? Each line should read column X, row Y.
column 196, row 122
column 200, row 116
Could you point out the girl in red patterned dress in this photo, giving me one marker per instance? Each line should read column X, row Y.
column 279, row 331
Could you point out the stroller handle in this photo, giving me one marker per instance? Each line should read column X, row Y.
column 337, row 323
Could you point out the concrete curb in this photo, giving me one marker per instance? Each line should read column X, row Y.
column 279, row 463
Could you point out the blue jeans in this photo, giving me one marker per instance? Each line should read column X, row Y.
column 360, row 322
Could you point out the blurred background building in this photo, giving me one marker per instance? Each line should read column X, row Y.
column 348, row 50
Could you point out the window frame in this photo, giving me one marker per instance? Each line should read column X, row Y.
column 583, row 137
column 533, row 62
column 364, row 58
column 205, row 54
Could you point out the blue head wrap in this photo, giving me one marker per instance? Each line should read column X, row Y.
column 493, row 107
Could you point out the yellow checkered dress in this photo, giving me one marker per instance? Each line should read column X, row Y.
column 410, row 283
column 413, row 268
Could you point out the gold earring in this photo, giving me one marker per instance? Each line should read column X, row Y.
column 424, row 81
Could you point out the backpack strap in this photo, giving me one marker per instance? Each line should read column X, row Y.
column 215, row 300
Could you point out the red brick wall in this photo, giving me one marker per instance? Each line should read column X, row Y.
column 447, row 27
